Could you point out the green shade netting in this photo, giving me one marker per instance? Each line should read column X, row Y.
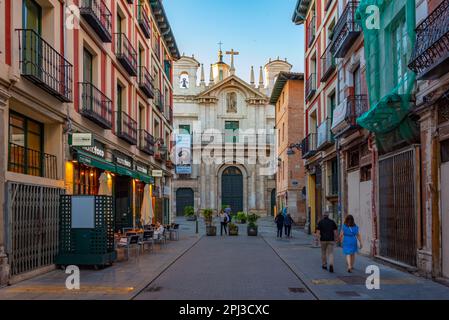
column 388, row 46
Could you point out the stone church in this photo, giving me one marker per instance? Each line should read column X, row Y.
column 231, row 126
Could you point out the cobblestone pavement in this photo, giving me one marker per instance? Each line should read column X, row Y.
column 230, row 268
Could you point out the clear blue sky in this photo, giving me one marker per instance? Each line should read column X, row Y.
column 258, row 29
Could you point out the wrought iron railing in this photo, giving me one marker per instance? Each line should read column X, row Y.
column 146, row 142
column 126, row 53
column 309, row 145
column 346, row 30
column 44, row 66
column 327, row 64
column 98, row 16
column 310, row 86
column 157, row 49
column 95, row 105
column 432, row 43
column 126, row 128
column 146, row 82
column 32, row 162
column 357, row 106
column 144, row 21
column 325, row 135
column 311, row 31
column 158, row 100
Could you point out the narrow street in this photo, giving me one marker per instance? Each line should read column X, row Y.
column 224, row 268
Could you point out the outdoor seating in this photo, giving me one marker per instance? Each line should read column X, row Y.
column 127, row 243
column 174, row 232
column 160, row 238
column 147, row 239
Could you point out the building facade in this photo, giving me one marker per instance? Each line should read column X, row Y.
column 288, row 99
column 232, row 127
column 97, row 69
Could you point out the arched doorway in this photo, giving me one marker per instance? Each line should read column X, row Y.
column 184, row 198
column 232, row 189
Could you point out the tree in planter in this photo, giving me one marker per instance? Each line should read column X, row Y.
column 189, row 213
column 241, row 217
column 252, row 226
column 208, row 214
column 233, row 229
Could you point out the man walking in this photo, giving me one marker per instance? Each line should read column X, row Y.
column 279, row 220
column 327, row 232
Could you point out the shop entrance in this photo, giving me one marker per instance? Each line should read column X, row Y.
column 123, row 210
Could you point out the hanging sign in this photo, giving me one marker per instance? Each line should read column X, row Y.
column 81, row 140
column 157, row 173
column 123, row 160
column 183, row 159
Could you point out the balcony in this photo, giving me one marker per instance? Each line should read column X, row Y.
column 157, row 49
column 144, row 21
column 98, row 16
column 311, row 31
column 308, row 146
column 41, row 64
column 346, row 30
column 159, row 100
column 126, row 54
column 95, row 105
column 161, row 153
column 325, row 135
column 31, row 162
column 126, row 128
column 311, row 86
column 430, row 59
column 327, row 64
column 332, row 185
column 146, row 142
column 146, row 82
column 346, row 114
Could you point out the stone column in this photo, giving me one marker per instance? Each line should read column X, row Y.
column 260, row 190
column 213, row 187
column 202, row 187
column 4, row 267
column 252, row 188
column 208, row 187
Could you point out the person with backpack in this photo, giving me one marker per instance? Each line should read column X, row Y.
column 224, row 219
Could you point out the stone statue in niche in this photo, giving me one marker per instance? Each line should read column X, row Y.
column 231, row 102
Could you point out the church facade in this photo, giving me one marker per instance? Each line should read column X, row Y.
column 231, row 125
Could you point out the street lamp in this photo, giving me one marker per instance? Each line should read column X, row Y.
column 291, row 151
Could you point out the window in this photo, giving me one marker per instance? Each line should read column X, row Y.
column 87, row 66
column 32, row 16
column 184, row 82
column 85, row 180
column 331, row 104
column 231, row 131
column 365, row 174
column 157, row 129
column 353, row 159
column 25, row 145
column 444, row 151
column 119, row 98
column 357, row 81
column 400, row 49
column 184, row 129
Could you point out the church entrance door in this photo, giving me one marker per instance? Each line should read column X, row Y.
column 232, row 189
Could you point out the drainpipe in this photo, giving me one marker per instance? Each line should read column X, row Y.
column 373, row 194
column 339, row 173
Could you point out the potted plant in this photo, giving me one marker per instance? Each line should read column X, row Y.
column 189, row 213
column 252, row 226
column 233, row 229
column 241, row 217
column 211, row 230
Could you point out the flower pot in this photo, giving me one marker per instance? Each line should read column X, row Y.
column 191, row 218
column 252, row 231
column 234, row 232
column 211, row 231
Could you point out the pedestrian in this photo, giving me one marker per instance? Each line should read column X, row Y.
column 228, row 212
column 288, row 222
column 284, row 213
column 279, row 220
column 327, row 233
column 223, row 222
column 349, row 236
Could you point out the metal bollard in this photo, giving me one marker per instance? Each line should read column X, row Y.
column 196, row 226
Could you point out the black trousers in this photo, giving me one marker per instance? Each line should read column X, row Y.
column 288, row 230
column 280, row 227
column 224, row 226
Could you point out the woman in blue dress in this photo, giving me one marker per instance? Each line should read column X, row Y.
column 349, row 236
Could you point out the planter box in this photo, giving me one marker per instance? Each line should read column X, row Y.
column 211, row 231
column 252, row 232
column 234, row 232
column 192, row 218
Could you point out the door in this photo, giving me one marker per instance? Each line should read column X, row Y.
column 184, row 198
column 232, row 189
column 31, row 42
column 123, row 212
column 273, row 201
column 445, row 207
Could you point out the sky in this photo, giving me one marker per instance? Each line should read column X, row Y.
column 258, row 29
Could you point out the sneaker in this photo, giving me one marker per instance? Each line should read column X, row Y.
column 331, row 269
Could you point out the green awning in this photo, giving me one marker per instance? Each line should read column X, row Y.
column 93, row 161
column 145, row 178
column 126, row 172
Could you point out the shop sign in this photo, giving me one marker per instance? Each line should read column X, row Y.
column 141, row 168
column 184, row 169
column 183, row 159
column 157, row 173
column 123, row 160
column 97, row 149
column 81, row 139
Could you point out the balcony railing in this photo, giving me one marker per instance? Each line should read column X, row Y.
column 308, row 146
column 327, row 64
column 311, row 31
column 157, row 49
column 430, row 59
column 31, row 162
column 325, row 135
column 146, row 142
column 159, row 100
column 98, row 16
column 126, row 54
column 126, row 128
column 311, row 86
column 44, row 66
column 144, row 21
column 146, row 82
column 95, row 105
column 346, row 30
column 346, row 114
